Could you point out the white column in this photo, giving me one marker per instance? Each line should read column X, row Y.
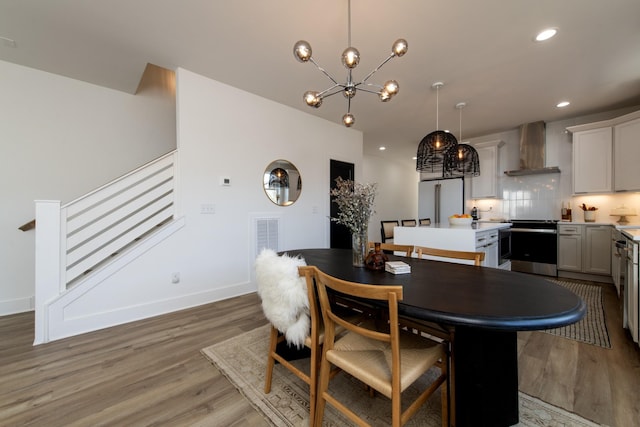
column 48, row 263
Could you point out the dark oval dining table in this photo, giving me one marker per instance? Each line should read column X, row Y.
column 485, row 306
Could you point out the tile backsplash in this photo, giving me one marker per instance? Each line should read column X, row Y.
column 532, row 197
column 542, row 196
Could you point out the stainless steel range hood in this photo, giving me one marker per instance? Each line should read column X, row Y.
column 532, row 151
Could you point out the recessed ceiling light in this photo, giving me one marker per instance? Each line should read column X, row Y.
column 382, row 148
column 414, row 158
column 562, row 104
column 546, row 34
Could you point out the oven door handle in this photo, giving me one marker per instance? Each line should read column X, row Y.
column 533, row 230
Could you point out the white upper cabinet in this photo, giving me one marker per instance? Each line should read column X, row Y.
column 605, row 155
column 626, row 154
column 592, row 164
column 486, row 185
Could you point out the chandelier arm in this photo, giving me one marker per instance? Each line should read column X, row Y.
column 377, row 68
column 369, row 90
column 322, row 94
column 323, row 71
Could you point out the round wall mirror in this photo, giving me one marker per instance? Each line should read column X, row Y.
column 282, row 183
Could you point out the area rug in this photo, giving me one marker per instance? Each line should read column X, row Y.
column 242, row 360
column 592, row 329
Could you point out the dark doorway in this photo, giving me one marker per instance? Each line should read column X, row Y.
column 339, row 234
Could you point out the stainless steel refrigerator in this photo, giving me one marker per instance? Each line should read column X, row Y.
column 439, row 199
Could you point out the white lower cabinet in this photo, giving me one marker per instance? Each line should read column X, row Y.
column 584, row 249
column 570, row 247
column 597, row 255
column 487, row 242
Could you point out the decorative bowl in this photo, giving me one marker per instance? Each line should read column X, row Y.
column 460, row 221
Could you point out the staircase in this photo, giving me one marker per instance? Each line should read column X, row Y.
column 82, row 242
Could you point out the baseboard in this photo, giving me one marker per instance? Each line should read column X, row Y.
column 584, row 276
column 15, row 306
column 61, row 326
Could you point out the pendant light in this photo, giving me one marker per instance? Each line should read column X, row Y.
column 433, row 148
column 462, row 160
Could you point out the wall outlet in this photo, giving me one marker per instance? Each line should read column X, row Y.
column 208, row 209
column 175, row 277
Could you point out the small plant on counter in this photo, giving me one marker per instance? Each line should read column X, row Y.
column 588, row 208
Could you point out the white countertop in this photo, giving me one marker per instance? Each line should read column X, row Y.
column 611, row 223
column 475, row 226
column 632, row 233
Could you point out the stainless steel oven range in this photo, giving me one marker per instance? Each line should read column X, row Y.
column 534, row 246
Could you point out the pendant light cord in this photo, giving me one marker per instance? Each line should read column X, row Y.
column 460, row 124
column 437, row 107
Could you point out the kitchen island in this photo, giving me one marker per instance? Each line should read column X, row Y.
column 477, row 237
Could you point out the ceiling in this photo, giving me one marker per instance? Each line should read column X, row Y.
column 483, row 52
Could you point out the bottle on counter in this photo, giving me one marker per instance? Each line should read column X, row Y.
column 474, row 213
column 569, row 212
column 564, row 215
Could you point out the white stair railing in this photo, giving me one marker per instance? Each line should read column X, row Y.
column 85, row 234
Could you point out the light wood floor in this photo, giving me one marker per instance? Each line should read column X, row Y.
column 151, row 372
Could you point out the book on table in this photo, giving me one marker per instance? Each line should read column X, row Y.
column 397, row 267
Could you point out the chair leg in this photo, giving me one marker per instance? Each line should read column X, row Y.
column 273, row 342
column 314, row 369
column 323, row 386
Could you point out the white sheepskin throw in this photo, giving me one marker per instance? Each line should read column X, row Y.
column 284, row 295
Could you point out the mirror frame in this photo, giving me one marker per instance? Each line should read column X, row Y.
column 282, row 182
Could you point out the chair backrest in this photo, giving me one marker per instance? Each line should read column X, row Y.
column 424, row 221
column 392, row 247
column 476, row 257
column 408, row 222
column 386, row 229
column 333, row 319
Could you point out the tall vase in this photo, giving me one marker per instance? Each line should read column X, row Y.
column 359, row 247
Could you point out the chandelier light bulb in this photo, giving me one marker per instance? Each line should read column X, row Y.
column 350, row 57
column 348, row 120
column 400, row 47
column 302, row 51
column 312, row 98
column 392, row 87
column 384, row 95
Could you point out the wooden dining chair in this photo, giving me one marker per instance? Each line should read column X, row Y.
column 408, row 222
column 386, row 229
column 424, row 221
column 375, row 356
column 444, row 333
column 392, row 247
column 283, row 278
column 476, row 257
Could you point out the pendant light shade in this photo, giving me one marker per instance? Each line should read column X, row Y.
column 463, row 161
column 278, row 178
column 433, row 149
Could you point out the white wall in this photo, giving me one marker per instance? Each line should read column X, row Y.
column 226, row 132
column 397, row 190
column 60, row 138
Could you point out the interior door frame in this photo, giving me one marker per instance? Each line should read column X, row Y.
column 339, row 235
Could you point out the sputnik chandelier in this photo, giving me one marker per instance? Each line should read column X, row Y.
column 350, row 59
